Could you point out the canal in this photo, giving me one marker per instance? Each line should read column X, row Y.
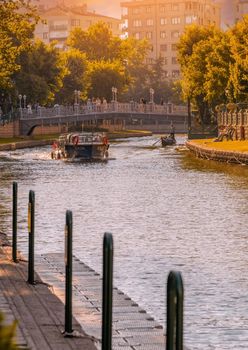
column 166, row 211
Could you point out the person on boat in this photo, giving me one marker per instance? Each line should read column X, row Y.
column 172, row 131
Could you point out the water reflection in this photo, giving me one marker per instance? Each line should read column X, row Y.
column 166, row 210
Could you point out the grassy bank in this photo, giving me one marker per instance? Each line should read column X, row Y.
column 231, row 146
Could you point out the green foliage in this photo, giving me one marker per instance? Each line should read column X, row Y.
column 98, row 42
column 7, row 334
column 76, row 77
column 204, row 55
column 41, row 74
column 238, row 83
column 103, row 76
column 17, row 24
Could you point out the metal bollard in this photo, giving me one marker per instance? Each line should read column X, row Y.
column 68, row 275
column 14, row 223
column 31, row 215
column 175, row 295
column 107, row 292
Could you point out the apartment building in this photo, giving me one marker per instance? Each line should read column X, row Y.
column 163, row 21
column 57, row 23
column 241, row 9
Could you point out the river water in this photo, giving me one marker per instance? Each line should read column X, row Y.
column 166, row 211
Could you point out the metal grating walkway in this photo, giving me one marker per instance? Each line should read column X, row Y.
column 133, row 328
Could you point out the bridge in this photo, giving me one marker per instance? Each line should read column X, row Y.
column 114, row 115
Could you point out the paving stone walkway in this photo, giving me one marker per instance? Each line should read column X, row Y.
column 39, row 312
column 133, row 328
column 39, row 308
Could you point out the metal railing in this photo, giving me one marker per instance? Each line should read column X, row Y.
column 92, row 108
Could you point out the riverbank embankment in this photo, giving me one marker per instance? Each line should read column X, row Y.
column 224, row 151
column 38, row 311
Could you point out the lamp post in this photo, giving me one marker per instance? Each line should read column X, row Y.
column 76, row 99
column 114, row 94
column 20, row 103
column 151, row 95
column 24, row 101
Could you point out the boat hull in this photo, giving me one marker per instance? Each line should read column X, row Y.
column 81, row 146
column 167, row 141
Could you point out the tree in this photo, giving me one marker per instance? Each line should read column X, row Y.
column 41, row 74
column 99, row 45
column 105, row 75
column 198, row 57
column 18, row 19
column 238, row 83
column 98, row 42
column 76, row 77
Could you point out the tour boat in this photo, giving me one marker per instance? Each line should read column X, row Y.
column 81, row 146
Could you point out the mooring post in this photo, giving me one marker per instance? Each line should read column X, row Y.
column 14, row 223
column 175, row 295
column 68, row 274
column 31, row 215
column 107, row 292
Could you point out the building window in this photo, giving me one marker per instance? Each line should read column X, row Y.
column 45, row 35
column 75, row 22
column 175, row 34
column 163, row 21
column 137, row 23
column 148, row 9
column 163, row 47
column 173, row 60
column 175, row 7
column 162, row 34
column 173, row 47
column 149, row 60
column 175, row 20
column 136, row 10
column 165, row 60
column 190, row 19
column 149, row 22
column 175, row 74
column 137, row 35
column 149, row 35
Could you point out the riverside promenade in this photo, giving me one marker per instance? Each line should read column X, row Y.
column 39, row 312
column 39, row 308
column 225, row 151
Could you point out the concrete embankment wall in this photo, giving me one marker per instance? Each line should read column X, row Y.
column 217, row 155
column 11, row 129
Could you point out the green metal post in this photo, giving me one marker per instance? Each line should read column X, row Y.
column 175, row 295
column 107, row 291
column 68, row 274
column 31, row 215
column 14, row 223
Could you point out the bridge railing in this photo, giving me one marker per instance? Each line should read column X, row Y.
column 91, row 108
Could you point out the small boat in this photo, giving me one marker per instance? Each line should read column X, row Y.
column 81, row 146
column 168, row 140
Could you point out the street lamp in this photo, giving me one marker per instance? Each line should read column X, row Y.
column 114, row 94
column 20, row 101
column 24, row 101
column 151, row 95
